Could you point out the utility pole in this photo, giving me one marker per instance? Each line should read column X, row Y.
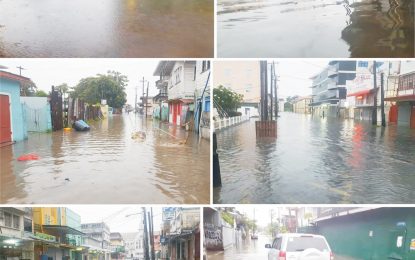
column 375, row 99
column 382, row 101
column 151, row 228
column 276, row 93
column 146, row 253
column 135, row 107
column 148, row 83
column 264, row 91
column 20, row 70
column 272, row 88
column 142, row 97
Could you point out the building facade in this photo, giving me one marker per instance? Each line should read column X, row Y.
column 302, row 105
column 12, row 117
column 329, row 88
column 134, row 245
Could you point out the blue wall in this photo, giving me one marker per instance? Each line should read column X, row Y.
column 18, row 121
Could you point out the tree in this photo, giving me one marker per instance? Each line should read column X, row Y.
column 226, row 99
column 62, row 88
column 41, row 93
column 109, row 87
column 27, row 88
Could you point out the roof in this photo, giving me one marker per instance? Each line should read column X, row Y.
column 11, row 76
column 340, row 212
column 164, row 68
column 54, row 229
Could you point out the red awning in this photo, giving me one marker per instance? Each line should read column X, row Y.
column 360, row 93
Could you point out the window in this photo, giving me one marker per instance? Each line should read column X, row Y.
column 277, row 243
column 363, row 64
column 205, row 65
column 7, row 219
column 178, row 75
column 28, row 225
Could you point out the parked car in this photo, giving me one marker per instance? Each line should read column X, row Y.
column 296, row 246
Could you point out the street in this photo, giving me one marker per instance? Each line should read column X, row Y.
column 100, row 28
column 244, row 249
column 316, row 160
column 105, row 165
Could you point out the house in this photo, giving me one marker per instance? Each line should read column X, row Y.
column 181, row 85
column 402, row 96
column 242, row 78
column 329, row 88
column 181, row 233
column 134, row 246
column 302, row 105
column 16, row 229
column 12, row 118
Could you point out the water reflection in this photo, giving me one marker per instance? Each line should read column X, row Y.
column 317, row 160
column 106, row 166
column 102, row 28
column 327, row 28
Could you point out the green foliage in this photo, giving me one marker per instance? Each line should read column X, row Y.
column 228, row 218
column 41, row 93
column 227, row 99
column 62, row 88
column 28, row 89
column 288, row 107
column 110, row 87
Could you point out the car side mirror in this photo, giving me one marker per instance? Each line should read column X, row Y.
column 268, row 246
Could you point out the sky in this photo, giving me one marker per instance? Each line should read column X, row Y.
column 119, row 218
column 47, row 72
column 294, row 75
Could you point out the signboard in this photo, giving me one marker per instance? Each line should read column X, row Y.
column 169, row 213
column 45, row 237
column 412, row 246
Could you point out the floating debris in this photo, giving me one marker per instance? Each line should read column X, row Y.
column 28, row 157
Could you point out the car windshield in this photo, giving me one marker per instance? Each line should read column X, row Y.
column 302, row 243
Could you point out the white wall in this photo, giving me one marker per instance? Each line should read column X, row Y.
column 183, row 89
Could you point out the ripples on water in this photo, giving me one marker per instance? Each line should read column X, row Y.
column 317, row 160
column 106, row 166
column 316, row 28
column 106, row 28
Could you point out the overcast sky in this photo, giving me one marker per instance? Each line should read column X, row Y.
column 116, row 216
column 294, row 75
column 48, row 72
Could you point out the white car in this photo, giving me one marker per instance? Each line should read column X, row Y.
column 296, row 246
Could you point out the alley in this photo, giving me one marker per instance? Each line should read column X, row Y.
column 99, row 28
column 105, row 165
column 316, row 160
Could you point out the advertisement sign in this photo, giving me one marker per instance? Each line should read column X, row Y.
column 45, row 237
column 169, row 213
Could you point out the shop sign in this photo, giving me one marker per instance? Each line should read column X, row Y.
column 169, row 213
column 45, row 237
column 412, row 246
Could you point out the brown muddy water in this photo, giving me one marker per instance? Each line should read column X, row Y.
column 105, row 165
column 106, row 28
column 315, row 28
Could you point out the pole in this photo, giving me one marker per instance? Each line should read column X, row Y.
column 153, row 255
column 148, row 83
column 382, row 100
column 375, row 99
column 272, row 88
column 135, row 106
column 146, row 253
column 217, row 179
column 276, row 94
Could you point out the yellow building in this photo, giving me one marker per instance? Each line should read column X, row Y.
column 302, row 105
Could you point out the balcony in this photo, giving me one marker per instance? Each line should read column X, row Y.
column 162, row 83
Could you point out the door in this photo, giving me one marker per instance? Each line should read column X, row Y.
column 413, row 117
column 393, row 114
column 5, row 125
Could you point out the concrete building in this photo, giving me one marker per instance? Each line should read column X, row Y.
column 181, row 233
column 16, row 232
column 242, row 78
column 117, row 246
column 361, row 93
column 12, row 118
column 329, row 88
column 302, row 105
column 402, row 96
column 134, row 245
column 219, row 234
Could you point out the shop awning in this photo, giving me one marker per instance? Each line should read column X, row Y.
column 360, row 93
column 61, row 230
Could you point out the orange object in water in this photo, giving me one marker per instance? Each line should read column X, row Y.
column 28, row 157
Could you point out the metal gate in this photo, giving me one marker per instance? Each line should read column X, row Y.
column 5, row 124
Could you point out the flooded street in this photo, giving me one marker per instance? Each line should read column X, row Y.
column 105, row 165
column 106, row 28
column 316, row 28
column 315, row 160
column 244, row 250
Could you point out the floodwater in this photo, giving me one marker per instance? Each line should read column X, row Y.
column 106, row 28
column 244, row 249
column 315, row 160
column 105, row 165
column 316, row 28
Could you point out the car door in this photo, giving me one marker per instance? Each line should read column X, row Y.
column 275, row 249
